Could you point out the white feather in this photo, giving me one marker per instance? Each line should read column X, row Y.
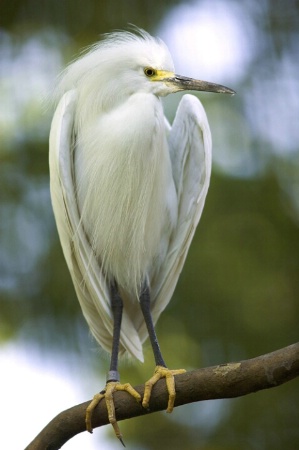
column 126, row 200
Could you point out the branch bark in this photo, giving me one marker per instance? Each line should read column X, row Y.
column 223, row 381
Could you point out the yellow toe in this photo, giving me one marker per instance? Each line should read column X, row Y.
column 162, row 372
column 107, row 393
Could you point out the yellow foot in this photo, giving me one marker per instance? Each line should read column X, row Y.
column 107, row 393
column 162, row 372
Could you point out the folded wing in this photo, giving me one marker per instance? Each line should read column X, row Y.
column 89, row 282
column 190, row 146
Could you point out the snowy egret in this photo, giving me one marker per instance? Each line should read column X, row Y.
column 127, row 191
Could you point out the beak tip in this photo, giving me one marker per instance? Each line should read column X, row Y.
column 230, row 92
column 226, row 90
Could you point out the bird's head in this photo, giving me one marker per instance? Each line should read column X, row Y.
column 142, row 63
column 122, row 64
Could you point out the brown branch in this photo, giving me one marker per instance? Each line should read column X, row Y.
column 224, row 381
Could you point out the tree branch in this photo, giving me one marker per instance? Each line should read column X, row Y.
column 223, row 381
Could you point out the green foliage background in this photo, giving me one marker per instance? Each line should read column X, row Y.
column 238, row 294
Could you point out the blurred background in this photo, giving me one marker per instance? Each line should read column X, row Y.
column 237, row 297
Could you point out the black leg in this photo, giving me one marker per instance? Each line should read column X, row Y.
column 113, row 385
column 117, row 310
column 145, row 304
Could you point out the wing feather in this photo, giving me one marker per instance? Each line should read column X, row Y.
column 190, row 147
column 89, row 282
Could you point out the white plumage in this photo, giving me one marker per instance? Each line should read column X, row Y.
column 127, row 189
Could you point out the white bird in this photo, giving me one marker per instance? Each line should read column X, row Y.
column 127, row 191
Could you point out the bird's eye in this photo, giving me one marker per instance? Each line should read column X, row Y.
column 149, row 72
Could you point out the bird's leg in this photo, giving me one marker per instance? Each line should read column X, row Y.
column 113, row 378
column 161, row 371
